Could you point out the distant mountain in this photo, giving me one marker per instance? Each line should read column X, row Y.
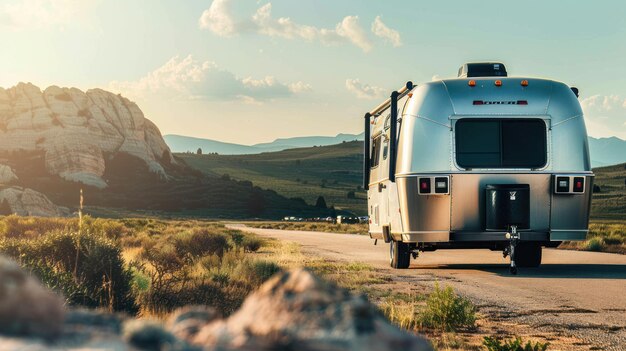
column 607, row 151
column 604, row 151
column 297, row 142
column 179, row 143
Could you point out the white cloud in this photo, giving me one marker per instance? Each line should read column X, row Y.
column 364, row 91
column 37, row 14
column 350, row 29
column 381, row 30
column 300, row 87
column 605, row 115
column 192, row 79
column 219, row 19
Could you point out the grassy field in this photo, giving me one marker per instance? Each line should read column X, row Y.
column 145, row 267
column 328, row 171
column 333, row 171
column 610, row 201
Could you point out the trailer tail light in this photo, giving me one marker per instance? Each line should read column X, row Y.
column 579, row 184
column 471, row 83
column 524, row 83
column 434, row 185
column 424, row 184
column 498, row 83
column 565, row 184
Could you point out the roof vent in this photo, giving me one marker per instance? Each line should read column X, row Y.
column 482, row 69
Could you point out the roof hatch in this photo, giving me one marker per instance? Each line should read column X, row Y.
column 482, row 69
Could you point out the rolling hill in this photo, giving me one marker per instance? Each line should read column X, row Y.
column 329, row 171
column 604, row 151
column 333, row 171
column 179, row 143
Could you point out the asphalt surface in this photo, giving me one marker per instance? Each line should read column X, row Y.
column 582, row 294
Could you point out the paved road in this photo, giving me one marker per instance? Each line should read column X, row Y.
column 578, row 293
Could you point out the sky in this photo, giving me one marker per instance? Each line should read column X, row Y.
column 251, row 71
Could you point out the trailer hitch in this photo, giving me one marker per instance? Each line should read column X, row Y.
column 513, row 237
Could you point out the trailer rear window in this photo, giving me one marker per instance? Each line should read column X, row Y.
column 501, row 143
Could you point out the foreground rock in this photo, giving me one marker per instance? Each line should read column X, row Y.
column 26, row 308
column 293, row 311
column 75, row 131
column 28, row 202
column 297, row 310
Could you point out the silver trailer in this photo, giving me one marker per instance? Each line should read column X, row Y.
column 483, row 161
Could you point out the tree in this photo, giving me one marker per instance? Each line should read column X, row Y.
column 321, row 202
column 351, row 195
column 199, row 152
column 256, row 203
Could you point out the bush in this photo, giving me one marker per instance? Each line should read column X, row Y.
column 252, row 244
column 447, row 311
column 14, row 226
column 256, row 272
column 494, row 344
column 86, row 267
column 594, row 244
column 200, row 242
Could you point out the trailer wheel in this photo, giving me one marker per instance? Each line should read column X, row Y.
column 399, row 254
column 528, row 254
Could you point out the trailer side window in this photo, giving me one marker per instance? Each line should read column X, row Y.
column 375, row 156
column 501, row 143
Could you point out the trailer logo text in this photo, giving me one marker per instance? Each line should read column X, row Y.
column 494, row 102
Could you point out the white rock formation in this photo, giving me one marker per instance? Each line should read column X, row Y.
column 28, row 202
column 6, row 175
column 75, row 131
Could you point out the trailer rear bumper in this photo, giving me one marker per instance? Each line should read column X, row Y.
column 490, row 236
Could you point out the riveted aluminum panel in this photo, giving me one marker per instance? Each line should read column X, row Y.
column 424, row 146
column 422, row 213
column 570, row 149
column 468, row 199
column 537, row 94
column 572, row 211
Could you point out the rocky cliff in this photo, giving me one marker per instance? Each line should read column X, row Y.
column 76, row 131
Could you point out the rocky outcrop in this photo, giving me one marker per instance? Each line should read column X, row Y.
column 293, row 311
column 76, row 130
column 28, row 202
column 7, row 175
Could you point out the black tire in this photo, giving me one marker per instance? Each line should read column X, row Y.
column 528, row 254
column 399, row 255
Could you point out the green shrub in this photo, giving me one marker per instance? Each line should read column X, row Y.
column 252, row 244
column 613, row 240
column 447, row 311
column 200, row 242
column 594, row 244
column 255, row 272
column 87, row 268
column 494, row 344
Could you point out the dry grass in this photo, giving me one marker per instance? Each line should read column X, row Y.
column 605, row 236
column 360, row 228
column 159, row 265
